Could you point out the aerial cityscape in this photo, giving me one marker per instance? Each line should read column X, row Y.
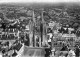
column 39, row 30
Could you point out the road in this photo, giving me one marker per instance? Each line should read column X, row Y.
column 33, row 52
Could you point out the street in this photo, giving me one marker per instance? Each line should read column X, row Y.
column 33, row 52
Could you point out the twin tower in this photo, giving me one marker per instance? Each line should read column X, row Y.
column 37, row 33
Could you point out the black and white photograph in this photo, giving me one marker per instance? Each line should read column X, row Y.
column 39, row 28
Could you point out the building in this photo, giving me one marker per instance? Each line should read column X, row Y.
column 42, row 31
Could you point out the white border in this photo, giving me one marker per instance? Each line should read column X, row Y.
column 39, row 1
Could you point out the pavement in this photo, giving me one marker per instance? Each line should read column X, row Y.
column 33, row 52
